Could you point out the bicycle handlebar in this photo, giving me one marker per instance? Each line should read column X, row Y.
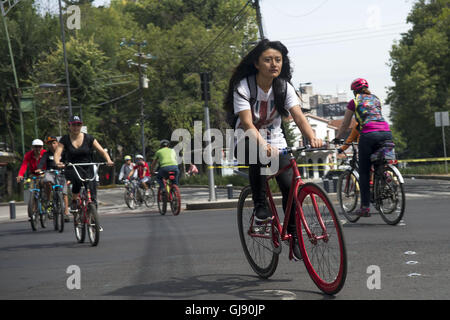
column 306, row 148
column 74, row 165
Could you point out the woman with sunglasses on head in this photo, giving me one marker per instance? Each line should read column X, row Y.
column 79, row 148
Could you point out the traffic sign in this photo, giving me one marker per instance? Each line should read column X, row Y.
column 441, row 119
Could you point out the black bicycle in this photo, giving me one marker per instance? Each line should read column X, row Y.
column 36, row 211
column 57, row 204
column 386, row 189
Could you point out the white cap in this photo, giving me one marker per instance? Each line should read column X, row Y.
column 37, row 142
column 138, row 156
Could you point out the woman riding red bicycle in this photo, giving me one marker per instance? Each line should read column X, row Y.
column 267, row 69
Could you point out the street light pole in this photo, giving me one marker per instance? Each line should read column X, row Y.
column 259, row 19
column 141, row 101
column 63, row 39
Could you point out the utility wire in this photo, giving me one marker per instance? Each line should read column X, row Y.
column 118, row 98
column 308, row 44
column 237, row 16
column 301, row 15
column 349, row 31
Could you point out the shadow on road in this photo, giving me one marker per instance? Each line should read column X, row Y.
column 225, row 286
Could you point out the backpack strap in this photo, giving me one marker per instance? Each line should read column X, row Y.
column 251, row 82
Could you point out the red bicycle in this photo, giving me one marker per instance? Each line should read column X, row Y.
column 172, row 195
column 87, row 215
column 319, row 231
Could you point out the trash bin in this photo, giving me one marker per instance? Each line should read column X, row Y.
column 335, row 183
column 326, row 185
column 230, row 191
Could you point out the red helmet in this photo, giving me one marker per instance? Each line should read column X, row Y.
column 358, row 84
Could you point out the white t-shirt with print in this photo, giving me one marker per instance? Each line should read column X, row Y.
column 265, row 115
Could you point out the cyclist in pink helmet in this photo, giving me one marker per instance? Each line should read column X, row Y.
column 358, row 84
column 374, row 130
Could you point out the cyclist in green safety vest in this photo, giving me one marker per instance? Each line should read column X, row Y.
column 167, row 162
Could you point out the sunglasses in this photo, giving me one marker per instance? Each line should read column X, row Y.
column 76, row 124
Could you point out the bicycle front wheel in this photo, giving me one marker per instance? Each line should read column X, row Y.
column 130, row 199
column 93, row 226
column 149, row 197
column 257, row 244
column 348, row 194
column 175, row 203
column 322, row 240
column 390, row 196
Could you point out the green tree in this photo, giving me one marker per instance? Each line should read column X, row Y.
column 420, row 69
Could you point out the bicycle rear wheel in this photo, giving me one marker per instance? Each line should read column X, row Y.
column 175, row 203
column 162, row 202
column 79, row 226
column 93, row 226
column 390, row 196
column 58, row 211
column 258, row 246
column 348, row 194
column 321, row 241
column 33, row 211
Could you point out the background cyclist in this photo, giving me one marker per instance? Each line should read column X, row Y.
column 126, row 168
column 31, row 159
column 47, row 162
column 373, row 129
column 143, row 172
column 166, row 158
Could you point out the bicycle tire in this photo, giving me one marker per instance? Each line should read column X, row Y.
column 260, row 253
column 175, row 203
column 390, row 196
column 348, row 194
column 130, row 200
column 58, row 211
column 33, row 211
column 93, row 226
column 149, row 199
column 162, row 203
column 43, row 218
column 325, row 259
column 79, row 227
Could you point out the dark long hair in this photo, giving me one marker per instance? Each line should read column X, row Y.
column 247, row 68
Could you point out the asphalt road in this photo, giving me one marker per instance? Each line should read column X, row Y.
column 197, row 255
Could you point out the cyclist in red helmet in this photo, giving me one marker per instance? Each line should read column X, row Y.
column 374, row 130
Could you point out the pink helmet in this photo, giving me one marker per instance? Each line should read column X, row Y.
column 358, row 84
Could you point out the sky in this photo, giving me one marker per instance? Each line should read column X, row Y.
column 332, row 42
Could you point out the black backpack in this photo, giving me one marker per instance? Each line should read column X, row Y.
column 251, row 82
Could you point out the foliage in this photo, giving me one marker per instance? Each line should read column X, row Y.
column 185, row 37
column 420, row 69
